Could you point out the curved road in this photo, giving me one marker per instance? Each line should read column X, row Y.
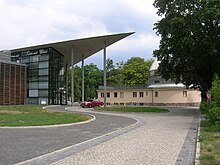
column 113, row 138
column 21, row 144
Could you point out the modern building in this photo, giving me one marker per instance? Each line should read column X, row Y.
column 12, row 81
column 45, row 75
column 47, row 64
column 158, row 92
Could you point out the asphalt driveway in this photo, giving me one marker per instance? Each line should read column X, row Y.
column 113, row 138
column 19, row 144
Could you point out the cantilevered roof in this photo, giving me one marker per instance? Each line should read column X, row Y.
column 85, row 46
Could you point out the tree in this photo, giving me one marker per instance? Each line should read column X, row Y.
column 109, row 65
column 215, row 90
column 93, row 79
column 77, row 83
column 114, row 74
column 190, row 41
column 135, row 71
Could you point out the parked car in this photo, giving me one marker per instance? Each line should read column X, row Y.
column 91, row 103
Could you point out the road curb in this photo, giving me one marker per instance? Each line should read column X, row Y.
column 60, row 154
column 56, row 125
column 197, row 155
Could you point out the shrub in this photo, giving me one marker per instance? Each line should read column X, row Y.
column 215, row 90
column 205, row 106
column 213, row 115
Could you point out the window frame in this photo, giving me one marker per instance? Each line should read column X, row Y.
column 156, row 94
column 134, row 94
column 141, row 94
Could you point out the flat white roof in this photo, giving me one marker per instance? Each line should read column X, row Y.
column 85, row 46
column 180, row 85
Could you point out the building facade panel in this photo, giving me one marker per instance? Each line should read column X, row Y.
column 146, row 96
column 45, row 75
column 12, row 83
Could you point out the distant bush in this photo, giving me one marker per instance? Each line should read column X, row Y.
column 212, row 109
column 213, row 115
column 215, row 90
column 205, row 106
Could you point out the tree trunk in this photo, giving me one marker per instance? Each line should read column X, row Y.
column 203, row 95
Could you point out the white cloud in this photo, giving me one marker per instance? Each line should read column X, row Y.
column 138, row 42
column 31, row 22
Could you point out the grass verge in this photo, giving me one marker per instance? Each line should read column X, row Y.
column 131, row 109
column 26, row 115
column 210, row 145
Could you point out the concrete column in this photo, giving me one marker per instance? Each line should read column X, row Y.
column 72, row 78
column 83, row 79
column 67, row 96
column 105, row 93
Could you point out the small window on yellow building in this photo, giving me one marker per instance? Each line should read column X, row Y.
column 108, row 94
column 147, row 93
column 121, row 94
column 134, row 94
column 102, row 94
column 115, row 94
column 156, row 94
column 184, row 93
column 141, row 94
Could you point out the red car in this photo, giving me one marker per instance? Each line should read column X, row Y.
column 91, row 103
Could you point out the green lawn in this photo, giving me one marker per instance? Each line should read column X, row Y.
column 210, row 145
column 131, row 109
column 35, row 116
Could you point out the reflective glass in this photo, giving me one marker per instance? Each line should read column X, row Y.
column 43, row 71
column 44, row 57
column 43, row 93
column 44, row 64
column 43, row 85
column 43, row 78
column 33, row 93
column 33, row 85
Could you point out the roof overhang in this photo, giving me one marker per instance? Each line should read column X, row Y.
column 82, row 48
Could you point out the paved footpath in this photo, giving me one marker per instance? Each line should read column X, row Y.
column 156, row 139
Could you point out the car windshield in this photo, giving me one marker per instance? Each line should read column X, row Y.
column 89, row 101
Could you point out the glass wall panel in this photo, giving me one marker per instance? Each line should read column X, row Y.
column 43, row 101
column 43, row 71
column 43, row 93
column 44, row 57
column 33, row 93
column 25, row 60
column 34, row 58
column 32, row 72
column 32, row 79
column 44, row 64
column 43, row 78
column 32, row 100
column 43, row 85
column 33, row 65
column 42, row 51
column 33, row 85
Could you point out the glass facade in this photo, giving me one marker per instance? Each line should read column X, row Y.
column 45, row 75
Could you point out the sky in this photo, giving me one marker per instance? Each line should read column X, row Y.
column 33, row 22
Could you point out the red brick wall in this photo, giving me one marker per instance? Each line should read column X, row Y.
column 12, row 84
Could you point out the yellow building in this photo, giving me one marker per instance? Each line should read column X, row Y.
column 158, row 92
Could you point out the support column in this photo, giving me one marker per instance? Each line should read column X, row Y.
column 67, row 86
column 83, row 79
column 72, row 78
column 105, row 93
